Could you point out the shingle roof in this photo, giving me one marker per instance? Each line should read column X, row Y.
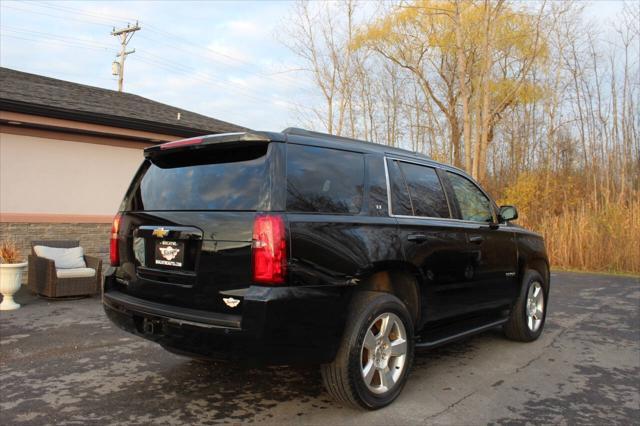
column 36, row 94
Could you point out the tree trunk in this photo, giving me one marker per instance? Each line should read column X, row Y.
column 464, row 89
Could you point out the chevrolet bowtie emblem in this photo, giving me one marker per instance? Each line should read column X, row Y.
column 231, row 302
column 160, row 232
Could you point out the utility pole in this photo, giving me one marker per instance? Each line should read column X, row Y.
column 125, row 35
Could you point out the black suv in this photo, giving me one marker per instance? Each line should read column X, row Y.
column 301, row 247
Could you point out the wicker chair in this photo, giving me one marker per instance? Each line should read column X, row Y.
column 44, row 280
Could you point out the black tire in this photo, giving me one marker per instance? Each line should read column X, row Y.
column 343, row 377
column 517, row 327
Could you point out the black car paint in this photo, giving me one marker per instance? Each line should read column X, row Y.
column 463, row 269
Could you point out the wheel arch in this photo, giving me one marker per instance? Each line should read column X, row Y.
column 538, row 264
column 401, row 279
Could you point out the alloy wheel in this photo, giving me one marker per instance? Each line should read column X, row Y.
column 384, row 353
column 535, row 306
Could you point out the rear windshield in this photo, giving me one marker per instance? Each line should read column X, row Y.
column 202, row 180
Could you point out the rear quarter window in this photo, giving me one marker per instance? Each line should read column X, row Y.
column 324, row 180
column 400, row 201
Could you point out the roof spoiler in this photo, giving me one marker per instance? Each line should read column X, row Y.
column 208, row 140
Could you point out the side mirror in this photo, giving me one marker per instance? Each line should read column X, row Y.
column 508, row 213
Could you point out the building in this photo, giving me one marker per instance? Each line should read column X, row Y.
column 68, row 152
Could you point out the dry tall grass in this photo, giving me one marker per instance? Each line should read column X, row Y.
column 9, row 252
column 605, row 238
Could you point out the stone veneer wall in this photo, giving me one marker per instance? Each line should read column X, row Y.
column 94, row 237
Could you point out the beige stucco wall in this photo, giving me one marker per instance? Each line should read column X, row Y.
column 41, row 175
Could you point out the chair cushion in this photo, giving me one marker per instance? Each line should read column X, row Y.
column 65, row 258
column 76, row 273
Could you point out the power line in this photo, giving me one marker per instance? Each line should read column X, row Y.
column 70, row 44
column 59, row 42
column 173, row 36
column 189, row 43
column 172, row 68
column 64, row 73
column 203, row 78
column 162, row 32
column 165, row 64
column 57, row 36
column 102, row 22
column 3, row 5
column 157, row 61
column 102, row 17
column 150, row 59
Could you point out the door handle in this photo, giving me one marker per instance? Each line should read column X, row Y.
column 476, row 239
column 417, row 238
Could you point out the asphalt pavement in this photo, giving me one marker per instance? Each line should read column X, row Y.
column 62, row 362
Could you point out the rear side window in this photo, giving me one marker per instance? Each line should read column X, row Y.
column 416, row 190
column 427, row 194
column 229, row 180
column 400, row 201
column 474, row 205
column 322, row 180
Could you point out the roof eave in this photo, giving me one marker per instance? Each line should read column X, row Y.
column 103, row 119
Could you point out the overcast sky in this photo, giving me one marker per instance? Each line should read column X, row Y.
column 221, row 59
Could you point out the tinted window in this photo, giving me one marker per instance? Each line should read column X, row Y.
column 230, row 180
column 400, row 201
column 427, row 195
column 473, row 203
column 324, row 180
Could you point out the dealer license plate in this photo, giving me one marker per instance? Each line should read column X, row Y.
column 169, row 253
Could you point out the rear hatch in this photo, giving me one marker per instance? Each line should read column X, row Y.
column 186, row 224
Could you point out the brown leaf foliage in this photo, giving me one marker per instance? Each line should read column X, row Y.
column 9, row 252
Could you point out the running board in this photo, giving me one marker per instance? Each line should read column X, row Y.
column 463, row 334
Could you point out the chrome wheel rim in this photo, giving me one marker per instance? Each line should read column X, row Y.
column 384, row 353
column 535, row 306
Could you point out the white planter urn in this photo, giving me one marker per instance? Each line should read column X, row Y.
column 10, row 282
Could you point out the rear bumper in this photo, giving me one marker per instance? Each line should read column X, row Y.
column 124, row 302
column 286, row 325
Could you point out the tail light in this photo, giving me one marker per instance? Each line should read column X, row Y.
column 114, row 255
column 181, row 143
column 269, row 250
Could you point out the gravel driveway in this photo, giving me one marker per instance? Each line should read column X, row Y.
column 63, row 363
